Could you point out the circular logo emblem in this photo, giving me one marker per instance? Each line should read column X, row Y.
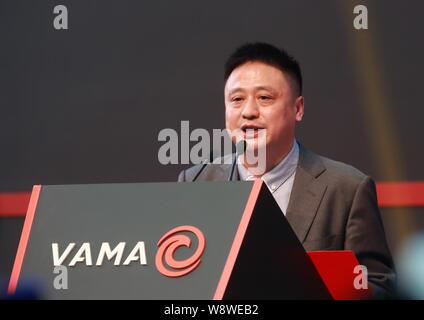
column 170, row 242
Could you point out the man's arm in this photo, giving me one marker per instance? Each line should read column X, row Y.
column 365, row 236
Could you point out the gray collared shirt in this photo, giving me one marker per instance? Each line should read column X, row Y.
column 280, row 179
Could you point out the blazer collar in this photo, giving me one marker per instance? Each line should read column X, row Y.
column 224, row 170
column 306, row 194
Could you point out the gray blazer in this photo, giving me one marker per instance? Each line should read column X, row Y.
column 332, row 206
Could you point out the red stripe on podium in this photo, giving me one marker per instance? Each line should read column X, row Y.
column 235, row 248
column 23, row 242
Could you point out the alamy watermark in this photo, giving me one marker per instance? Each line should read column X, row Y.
column 200, row 146
column 60, row 282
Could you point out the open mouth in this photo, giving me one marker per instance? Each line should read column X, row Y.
column 251, row 131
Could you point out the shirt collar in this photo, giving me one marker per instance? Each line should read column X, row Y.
column 279, row 174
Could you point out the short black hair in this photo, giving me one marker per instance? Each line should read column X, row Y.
column 268, row 54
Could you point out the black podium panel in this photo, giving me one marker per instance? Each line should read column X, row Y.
column 203, row 240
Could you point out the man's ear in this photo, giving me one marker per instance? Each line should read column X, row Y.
column 299, row 108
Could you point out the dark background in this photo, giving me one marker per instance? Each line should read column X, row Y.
column 85, row 105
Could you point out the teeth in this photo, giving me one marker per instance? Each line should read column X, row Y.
column 251, row 128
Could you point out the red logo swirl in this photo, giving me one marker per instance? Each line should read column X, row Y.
column 169, row 243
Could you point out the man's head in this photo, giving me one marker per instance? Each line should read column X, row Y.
column 263, row 91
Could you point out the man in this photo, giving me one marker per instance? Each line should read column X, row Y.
column 329, row 205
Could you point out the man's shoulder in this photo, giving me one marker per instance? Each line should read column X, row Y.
column 341, row 174
column 342, row 180
column 329, row 169
column 342, row 169
column 334, row 172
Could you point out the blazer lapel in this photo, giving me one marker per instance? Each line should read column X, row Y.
column 224, row 172
column 306, row 194
column 221, row 172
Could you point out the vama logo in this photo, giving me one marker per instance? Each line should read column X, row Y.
column 173, row 240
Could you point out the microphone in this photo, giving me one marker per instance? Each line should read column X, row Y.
column 205, row 163
column 240, row 149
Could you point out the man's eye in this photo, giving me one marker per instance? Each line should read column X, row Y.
column 237, row 99
column 265, row 98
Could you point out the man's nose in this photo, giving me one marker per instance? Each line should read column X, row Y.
column 250, row 109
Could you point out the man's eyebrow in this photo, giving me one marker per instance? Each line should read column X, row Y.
column 232, row 91
column 266, row 88
column 258, row 88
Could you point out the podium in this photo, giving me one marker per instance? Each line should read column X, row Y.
column 202, row 240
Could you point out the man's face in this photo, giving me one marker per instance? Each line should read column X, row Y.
column 259, row 96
